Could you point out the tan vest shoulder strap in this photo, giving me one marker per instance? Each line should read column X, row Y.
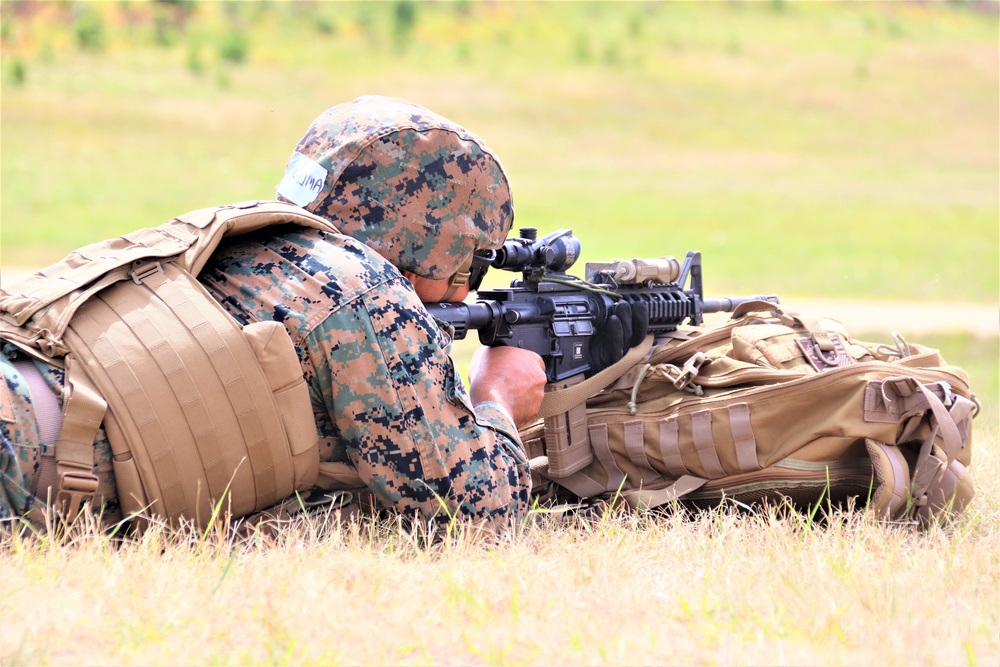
column 59, row 289
column 210, row 225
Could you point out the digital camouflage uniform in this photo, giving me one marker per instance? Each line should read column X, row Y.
column 425, row 194
column 386, row 396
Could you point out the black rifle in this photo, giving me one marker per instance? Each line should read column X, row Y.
column 556, row 315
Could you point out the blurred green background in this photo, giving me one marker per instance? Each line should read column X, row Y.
column 839, row 150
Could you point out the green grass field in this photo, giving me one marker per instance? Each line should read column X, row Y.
column 814, row 150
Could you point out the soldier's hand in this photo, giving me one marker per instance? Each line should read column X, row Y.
column 611, row 339
column 510, row 376
column 640, row 323
column 624, row 328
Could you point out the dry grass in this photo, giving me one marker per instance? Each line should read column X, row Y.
column 719, row 588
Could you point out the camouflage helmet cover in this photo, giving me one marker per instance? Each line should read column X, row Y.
column 422, row 191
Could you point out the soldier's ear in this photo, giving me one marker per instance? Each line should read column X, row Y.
column 409, row 275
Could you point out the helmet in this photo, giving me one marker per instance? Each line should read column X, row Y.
column 420, row 190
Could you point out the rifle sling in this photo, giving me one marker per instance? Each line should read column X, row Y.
column 558, row 402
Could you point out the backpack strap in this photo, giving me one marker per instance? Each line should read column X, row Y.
column 48, row 413
column 66, row 475
column 652, row 498
column 936, row 481
column 953, row 491
column 936, row 478
column 83, row 412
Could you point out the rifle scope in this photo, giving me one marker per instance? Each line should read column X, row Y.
column 554, row 252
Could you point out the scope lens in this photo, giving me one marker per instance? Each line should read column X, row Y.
column 561, row 253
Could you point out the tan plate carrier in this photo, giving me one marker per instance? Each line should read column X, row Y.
column 202, row 414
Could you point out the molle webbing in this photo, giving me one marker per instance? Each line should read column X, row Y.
column 768, row 406
column 635, row 448
column 704, row 443
column 665, row 437
column 44, row 302
column 193, row 421
column 670, row 447
column 603, row 454
column 199, row 409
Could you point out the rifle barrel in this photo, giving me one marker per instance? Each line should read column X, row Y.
column 729, row 304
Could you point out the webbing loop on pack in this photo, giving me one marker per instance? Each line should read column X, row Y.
column 901, row 349
column 830, row 356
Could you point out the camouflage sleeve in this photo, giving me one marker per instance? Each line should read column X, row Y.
column 405, row 417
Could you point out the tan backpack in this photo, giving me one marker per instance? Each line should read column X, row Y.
column 197, row 408
column 765, row 407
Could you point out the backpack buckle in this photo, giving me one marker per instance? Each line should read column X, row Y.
column 690, row 370
column 948, row 398
column 75, row 489
column 142, row 270
column 680, row 378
